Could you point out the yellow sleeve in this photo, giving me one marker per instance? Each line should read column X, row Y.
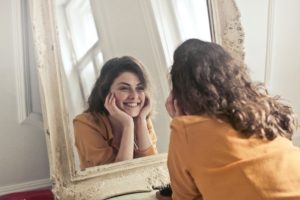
column 152, row 149
column 182, row 183
column 92, row 148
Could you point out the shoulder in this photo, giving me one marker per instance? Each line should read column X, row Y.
column 84, row 117
column 88, row 123
column 182, row 126
column 91, row 119
column 194, row 125
column 197, row 137
column 189, row 120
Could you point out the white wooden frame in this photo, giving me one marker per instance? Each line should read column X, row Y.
column 105, row 181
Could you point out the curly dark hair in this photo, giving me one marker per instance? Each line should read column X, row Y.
column 207, row 80
column 109, row 72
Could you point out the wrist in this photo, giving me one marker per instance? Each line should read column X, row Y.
column 128, row 123
column 140, row 118
column 128, row 128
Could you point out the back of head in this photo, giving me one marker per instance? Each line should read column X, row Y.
column 202, row 73
column 207, row 80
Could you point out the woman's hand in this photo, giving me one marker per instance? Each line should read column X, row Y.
column 126, row 135
column 145, row 111
column 123, row 118
column 172, row 106
column 141, row 131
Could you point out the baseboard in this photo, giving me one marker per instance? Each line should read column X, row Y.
column 27, row 186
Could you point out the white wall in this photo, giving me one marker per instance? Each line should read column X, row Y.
column 272, row 38
column 285, row 69
column 23, row 153
column 254, row 20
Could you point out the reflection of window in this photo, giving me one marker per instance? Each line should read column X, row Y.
column 82, row 26
column 87, row 75
column 83, row 43
column 179, row 20
column 192, row 19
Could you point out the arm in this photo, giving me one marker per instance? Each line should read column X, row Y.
column 182, row 183
column 127, row 126
column 126, row 145
column 143, row 140
column 144, row 132
column 150, row 136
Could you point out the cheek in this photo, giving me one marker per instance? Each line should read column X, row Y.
column 143, row 98
column 120, row 97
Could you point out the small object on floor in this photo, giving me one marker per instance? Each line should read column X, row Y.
column 164, row 193
column 30, row 195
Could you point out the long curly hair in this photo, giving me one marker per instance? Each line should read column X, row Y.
column 206, row 80
column 109, row 72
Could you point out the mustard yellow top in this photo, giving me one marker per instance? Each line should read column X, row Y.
column 95, row 140
column 209, row 160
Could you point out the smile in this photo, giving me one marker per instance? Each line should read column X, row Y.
column 132, row 105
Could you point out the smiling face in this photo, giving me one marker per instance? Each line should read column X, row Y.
column 129, row 93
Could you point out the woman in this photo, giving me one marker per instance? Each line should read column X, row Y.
column 229, row 138
column 116, row 125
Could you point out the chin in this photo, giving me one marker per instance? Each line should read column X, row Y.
column 133, row 114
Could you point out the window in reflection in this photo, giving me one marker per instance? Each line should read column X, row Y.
column 87, row 75
column 192, row 19
column 80, row 47
column 82, row 26
column 179, row 20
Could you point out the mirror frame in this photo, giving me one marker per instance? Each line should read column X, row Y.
column 102, row 182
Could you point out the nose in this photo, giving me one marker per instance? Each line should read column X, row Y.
column 133, row 94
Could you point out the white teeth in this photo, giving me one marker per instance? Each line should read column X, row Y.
column 131, row 104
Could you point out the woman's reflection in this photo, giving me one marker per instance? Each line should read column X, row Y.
column 116, row 126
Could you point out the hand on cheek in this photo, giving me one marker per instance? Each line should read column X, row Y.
column 115, row 112
column 172, row 106
column 145, row 111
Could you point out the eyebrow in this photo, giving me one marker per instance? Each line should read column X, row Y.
column 127, row 84
column 123, row 83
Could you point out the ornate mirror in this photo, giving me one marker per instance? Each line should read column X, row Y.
column 146, row 29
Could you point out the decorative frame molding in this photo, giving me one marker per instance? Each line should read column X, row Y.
column 19, row 60
column 26, row 115
column 227, row 29
column 114, row 179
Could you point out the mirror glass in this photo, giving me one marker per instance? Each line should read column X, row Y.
column 94, row 31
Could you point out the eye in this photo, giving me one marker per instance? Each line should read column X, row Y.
column 124, row 88
column 140, row 88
